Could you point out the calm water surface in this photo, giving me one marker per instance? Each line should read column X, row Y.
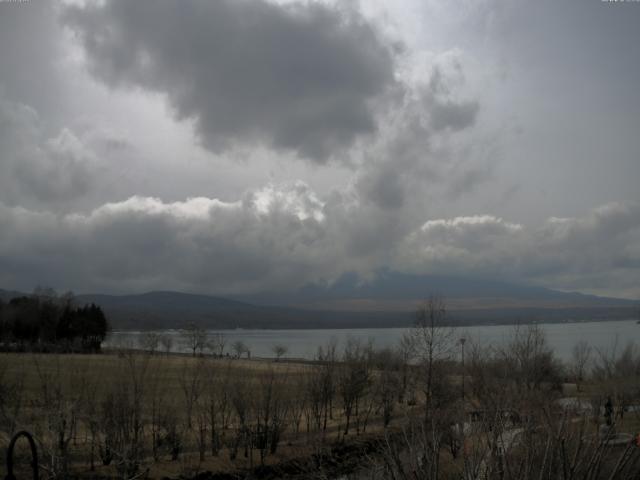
column 304, row 343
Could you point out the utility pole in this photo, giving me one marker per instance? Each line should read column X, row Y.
column 464, row 416
column 462, row 341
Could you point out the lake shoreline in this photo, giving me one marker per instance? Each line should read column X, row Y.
column 383, row 327
column 304, row 343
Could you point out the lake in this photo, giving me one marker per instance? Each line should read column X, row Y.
column 304, row 343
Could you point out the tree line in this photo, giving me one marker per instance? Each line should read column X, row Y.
column 45, row 321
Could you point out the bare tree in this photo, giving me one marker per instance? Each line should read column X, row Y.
column 239, row 348
column 157, row 405
column 604, row 364
column 195, row 338
column 314, row 388
column 217, row 344
column 298, row 400
column 433, row 341
column 60, row 405
column 618, row 372
column 89, row 414
column 172, row 436
column 271, row 411
column 241, row 402
column 386, row 393
column 217, row 398
column 167, row 343
column 122, row 421
column 191, row 383
column 149, row 341
column 407, row 351
column 279, row 350
column 329, row 360
column 580, row 357
column 11, row 398
column 531, row 358
column 353, row 380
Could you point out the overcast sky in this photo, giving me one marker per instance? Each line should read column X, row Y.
column 250, row 145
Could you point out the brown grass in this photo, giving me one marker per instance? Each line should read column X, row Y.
column 76, row 373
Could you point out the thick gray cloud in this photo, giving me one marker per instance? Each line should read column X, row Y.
column 456, row 150
column 271, row 236
column 283, row 237
column 597, row 252
column 303, row 77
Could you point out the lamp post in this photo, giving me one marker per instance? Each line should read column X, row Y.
column 464, row 418
column 462, row 342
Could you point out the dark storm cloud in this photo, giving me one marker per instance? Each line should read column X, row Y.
column 269, row 237
column 284, row 237
column 416, row 132
column 299, row 77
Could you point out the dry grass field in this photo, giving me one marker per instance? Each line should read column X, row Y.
column 132, row 414
column 64, row 398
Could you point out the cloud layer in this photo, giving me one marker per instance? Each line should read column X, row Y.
column 283, row 237
column 245, row 145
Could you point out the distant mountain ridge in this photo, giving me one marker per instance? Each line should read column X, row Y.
column 398, row 287
column 388, row 300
